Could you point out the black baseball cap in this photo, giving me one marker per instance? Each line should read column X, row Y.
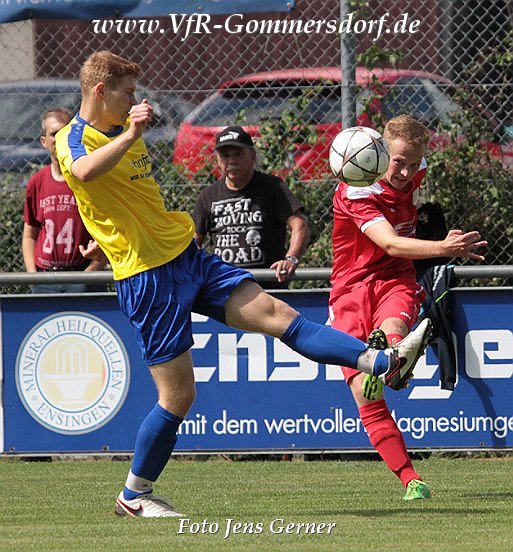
column 233, row 136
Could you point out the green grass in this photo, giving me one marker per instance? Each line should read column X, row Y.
column 69, row 506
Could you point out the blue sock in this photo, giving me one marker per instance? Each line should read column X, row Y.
column 329, row 346
column 155, row 442
column 323, row 343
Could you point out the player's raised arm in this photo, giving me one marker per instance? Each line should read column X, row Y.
column 456, row 244
column 88, row 167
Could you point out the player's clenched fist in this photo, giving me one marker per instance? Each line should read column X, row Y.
column 141, row 114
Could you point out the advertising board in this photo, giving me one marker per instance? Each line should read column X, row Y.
column 74, row 381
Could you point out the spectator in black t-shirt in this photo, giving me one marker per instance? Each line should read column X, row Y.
column 246, row 213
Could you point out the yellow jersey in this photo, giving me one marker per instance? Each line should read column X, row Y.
column 123, row 209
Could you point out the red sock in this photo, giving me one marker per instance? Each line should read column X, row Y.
column 386, row 438
column 394, row 338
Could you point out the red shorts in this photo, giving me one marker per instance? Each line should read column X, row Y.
column 359, row 310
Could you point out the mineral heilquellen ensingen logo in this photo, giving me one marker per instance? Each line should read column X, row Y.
column 72, row 373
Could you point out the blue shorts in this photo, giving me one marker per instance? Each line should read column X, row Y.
column 158, row 302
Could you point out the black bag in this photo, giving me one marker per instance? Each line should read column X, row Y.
column 436, row 281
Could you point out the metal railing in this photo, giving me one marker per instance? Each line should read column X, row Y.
column 263, row 275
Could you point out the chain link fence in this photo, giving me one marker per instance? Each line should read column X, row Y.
column 447, row 62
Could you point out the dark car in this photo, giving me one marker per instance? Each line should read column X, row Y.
column 23, row 102
column 259, row 96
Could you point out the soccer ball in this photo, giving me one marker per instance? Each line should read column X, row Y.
column 359, row 156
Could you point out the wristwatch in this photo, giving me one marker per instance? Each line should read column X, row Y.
column 293, row 259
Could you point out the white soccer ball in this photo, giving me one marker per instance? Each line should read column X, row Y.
column 359, row 156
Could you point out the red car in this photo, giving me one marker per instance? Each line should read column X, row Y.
column 267, row 95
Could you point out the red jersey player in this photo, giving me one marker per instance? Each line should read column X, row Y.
column 374, row 289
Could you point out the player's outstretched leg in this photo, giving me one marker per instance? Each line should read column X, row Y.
column 250, row 308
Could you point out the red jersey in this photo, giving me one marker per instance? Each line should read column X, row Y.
column 356, row 258
column 50, row 206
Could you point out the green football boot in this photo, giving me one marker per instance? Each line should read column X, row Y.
column 373, row 387
column 417, row 489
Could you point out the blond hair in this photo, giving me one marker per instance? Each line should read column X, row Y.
column 408, row 129
column 106, row 67
column 60, row 113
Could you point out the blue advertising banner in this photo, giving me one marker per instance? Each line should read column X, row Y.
column 18, row 10
column 73, row 381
